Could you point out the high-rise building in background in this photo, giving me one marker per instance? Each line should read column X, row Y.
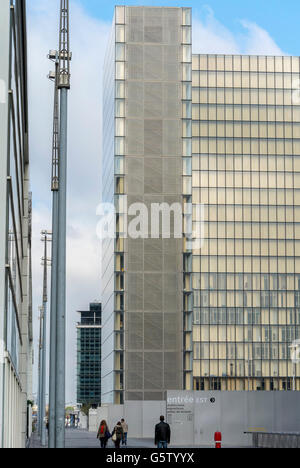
column 15, row 231
column 145, row 96
column 89, row 356
column 246, row 171
column 222, row 131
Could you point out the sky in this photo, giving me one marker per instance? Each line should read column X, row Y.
column 248, row 27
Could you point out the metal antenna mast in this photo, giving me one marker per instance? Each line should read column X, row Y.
column 64, row 57
column 64, row 46
column 53, row 311
column 55, row 143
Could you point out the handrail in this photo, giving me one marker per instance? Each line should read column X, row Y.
column 275, row 439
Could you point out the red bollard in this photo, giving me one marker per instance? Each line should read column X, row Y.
column 218, row 440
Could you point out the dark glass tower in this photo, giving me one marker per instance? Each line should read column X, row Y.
column 89, row 356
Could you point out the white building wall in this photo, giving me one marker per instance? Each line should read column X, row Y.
column 25, row 349
column 15, row 291
column 12, row 429
column 4, row 73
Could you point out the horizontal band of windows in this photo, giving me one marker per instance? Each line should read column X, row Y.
column 229, row 95
column 245, row 74
column 247, row 325
column 258, row 147
column 246, row 197
column 242, row 89
column 241, row 132
column 245, row 124
column 233, row 298
column 254, row 173
column 266, row 330
column 256, row 224
column 259, row 106
column 278, row 283
column 257, row 312
column 246, row 239
column 246, row 156
column 247, row 292
column 280, row 77
column 230, row 258
column 253, row 62
column 256, row 332
column 259, row 112
column 239, row 257
column 250, row 139
column 248, row 205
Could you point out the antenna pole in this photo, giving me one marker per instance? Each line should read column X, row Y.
column 63, row 86
column 53, row 310
column 62, row 59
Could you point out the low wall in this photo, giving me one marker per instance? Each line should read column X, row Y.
column 194, row 417
column 141, row 417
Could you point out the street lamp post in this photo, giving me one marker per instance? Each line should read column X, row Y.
column 39, row 395
column 46, row 237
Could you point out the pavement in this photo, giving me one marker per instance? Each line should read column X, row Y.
column 79, row 439
column 76, row 438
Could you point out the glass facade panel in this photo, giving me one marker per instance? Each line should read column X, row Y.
column 244, row 277
column 89, row 357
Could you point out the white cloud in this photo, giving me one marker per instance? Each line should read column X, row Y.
column 258, row 41
column 210, row 36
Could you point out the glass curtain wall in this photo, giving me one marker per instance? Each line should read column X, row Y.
column 246, row 278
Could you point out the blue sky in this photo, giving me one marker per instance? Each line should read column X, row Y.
column 279, row 17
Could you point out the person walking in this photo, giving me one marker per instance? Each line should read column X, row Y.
column 103, row 434
column 162, row 434
column 117, row 435
column 125, row 431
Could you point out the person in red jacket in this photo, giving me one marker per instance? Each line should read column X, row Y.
column 103, row 434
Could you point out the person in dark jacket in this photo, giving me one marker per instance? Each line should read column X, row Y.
column 117, row 435
column 162, row 434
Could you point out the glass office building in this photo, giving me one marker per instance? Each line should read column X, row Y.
column 222, row 131
column 246, row 171
column 89, row 356
column 15, row 231
column 147, row 92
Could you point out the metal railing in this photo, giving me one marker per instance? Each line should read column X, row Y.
column 275, row 439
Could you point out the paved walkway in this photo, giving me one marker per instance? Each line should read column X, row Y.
column 76, row 438
column 84, row 439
